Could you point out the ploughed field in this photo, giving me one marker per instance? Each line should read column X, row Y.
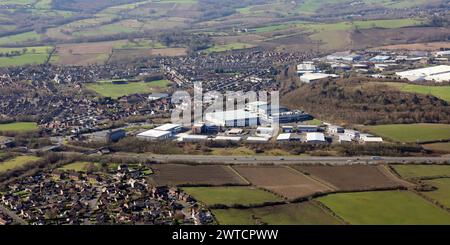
column 283, row 181
column 177, row 174
column 355, row 177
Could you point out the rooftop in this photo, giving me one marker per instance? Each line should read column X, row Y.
column 154, row 133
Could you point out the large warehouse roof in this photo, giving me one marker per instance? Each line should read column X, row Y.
column 154, row 134
column 436, row 73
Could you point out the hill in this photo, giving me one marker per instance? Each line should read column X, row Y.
column 353, row 101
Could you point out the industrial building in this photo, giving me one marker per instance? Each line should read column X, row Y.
column 265, row 132
column 315, row 77
column 256, row 113
column 253, row 139
column 284, row 137
column 194, row 138
column 108, row 136
column 162, row 132
column 235, row 118
column 344, row 56
column 368, row 138
column 170, row 127
column 307, row 128
column 306, row 67
column 228, row 138
column 439, row 73
column 155, row 135
column 315, row 138
column 333, row 129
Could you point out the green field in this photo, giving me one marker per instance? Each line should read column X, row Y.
column 289, row 214
column 441, row 92
column 17, row 162
column 79, row 166
column 412, row 132
column 341, row 26
column 18, row 127
column 422, row 171
column 20, row 38
column 29, row 55
column 231, row 195
column 442, row 194
column 108, row 89
column 229, row 47
column 385, row 207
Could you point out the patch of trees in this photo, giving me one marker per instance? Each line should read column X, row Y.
column 438, row 21
column 350, row 101
column 193, row 43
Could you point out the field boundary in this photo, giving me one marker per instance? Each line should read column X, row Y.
column 328, row 210
column 431, row 200
column 315, row 178
column 238, row 174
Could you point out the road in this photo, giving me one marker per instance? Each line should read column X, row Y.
column 206, row 159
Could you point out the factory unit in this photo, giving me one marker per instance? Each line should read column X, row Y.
column 439, row 73
column 163, row 132
column 316, row 77
column 235, row 118
column 154, row 135
column 307, row 128
column 315, row 138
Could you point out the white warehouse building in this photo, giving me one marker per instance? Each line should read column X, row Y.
column 436, row 73
column 235, row 118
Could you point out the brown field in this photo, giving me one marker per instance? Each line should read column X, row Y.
column 249, row 38
column 282, row 180
column 177, row 174
column 132, row 54
column 383, row 37
column 83, row 53
column 356, row 177
column 435, row 46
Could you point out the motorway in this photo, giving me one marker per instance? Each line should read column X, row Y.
column 207, row 159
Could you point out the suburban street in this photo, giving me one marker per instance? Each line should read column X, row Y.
column 206, row 159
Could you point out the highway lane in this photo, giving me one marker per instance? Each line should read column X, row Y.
column 206, row 159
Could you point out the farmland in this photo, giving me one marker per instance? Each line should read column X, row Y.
column 18, row 127
column 109, row 89
column 25, row 55
column 289, row 214
column 444, row 147
column 176, row 174
column 229, row 47
column 17, row 162
column 288, row 183
column 231, row 196
column 442, row 194
column 356, row 177
column 385, row 207
column 422, row 171
column 412, row 132
column 80, row 166
column 441, row 92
